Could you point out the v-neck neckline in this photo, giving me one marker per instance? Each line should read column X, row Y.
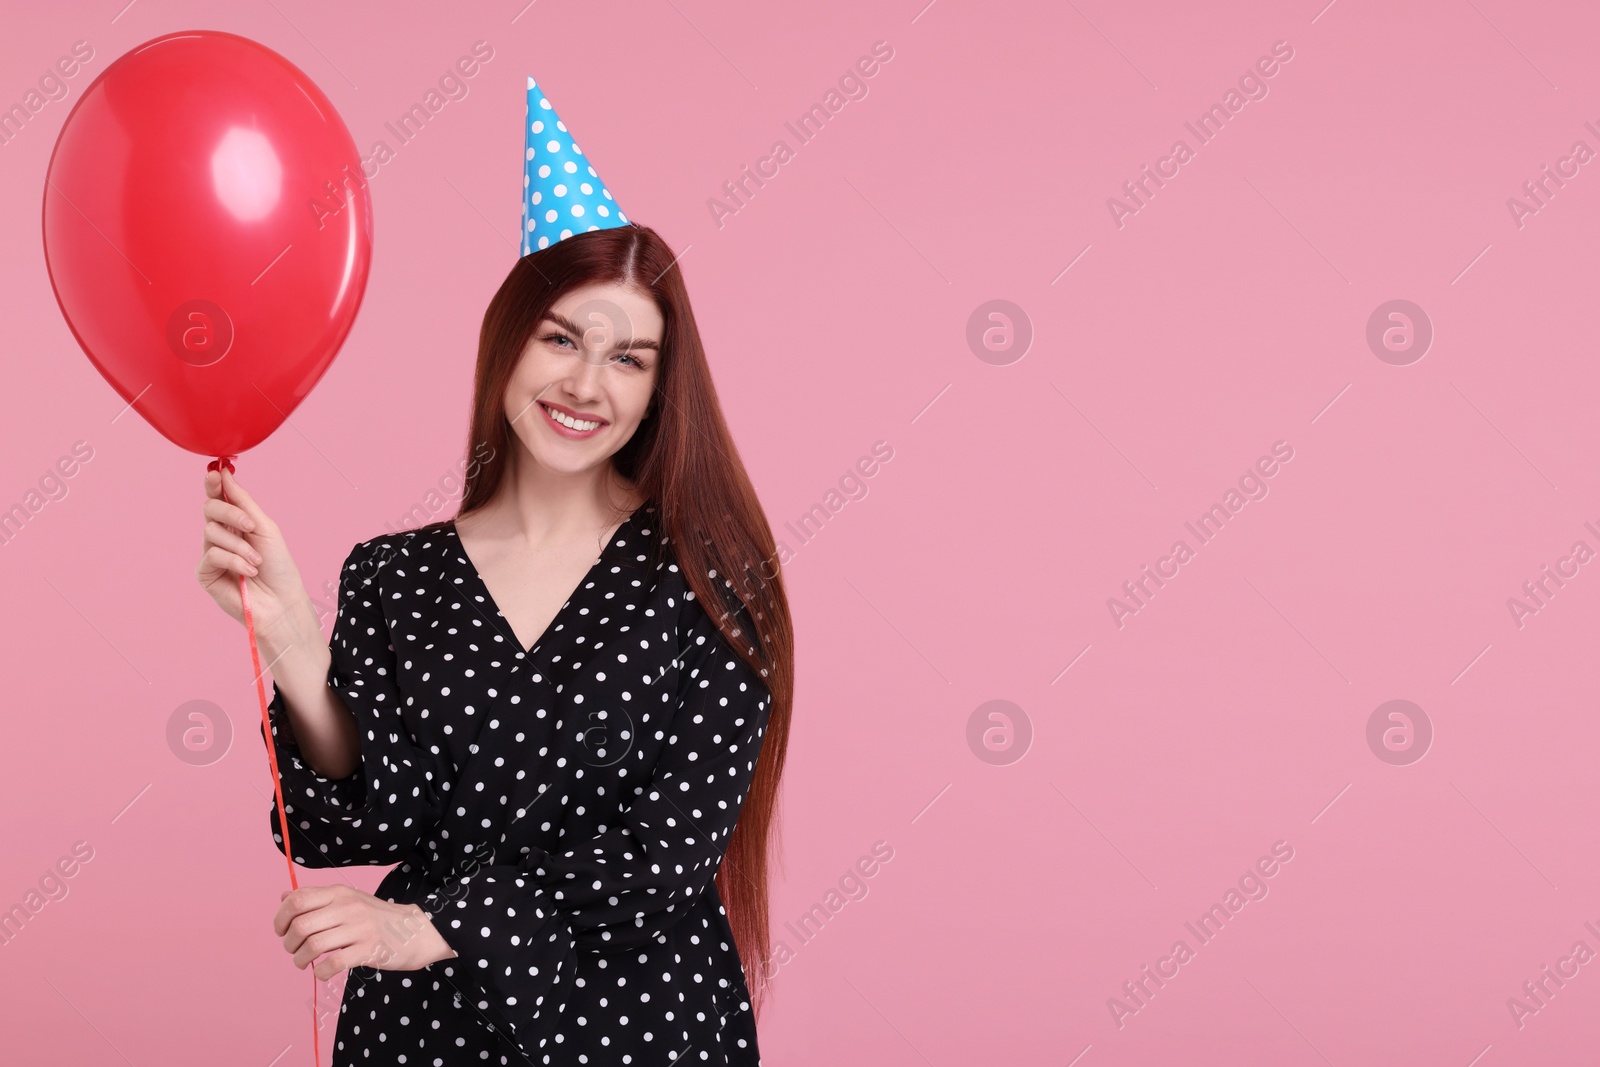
column 561, row 612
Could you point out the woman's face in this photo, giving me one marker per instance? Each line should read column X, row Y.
column 586, row 377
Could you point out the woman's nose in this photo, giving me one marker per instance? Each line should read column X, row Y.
column 588, row 370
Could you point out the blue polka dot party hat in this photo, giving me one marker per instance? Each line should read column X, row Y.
column 561, row 193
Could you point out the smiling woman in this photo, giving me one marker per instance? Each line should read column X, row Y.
column 562, row 714
column 620, row 327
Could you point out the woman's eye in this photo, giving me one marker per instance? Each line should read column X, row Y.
column 559, row 338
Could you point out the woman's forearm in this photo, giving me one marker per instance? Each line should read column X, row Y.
column 294, row 650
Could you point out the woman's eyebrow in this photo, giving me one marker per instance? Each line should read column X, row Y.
column 566, row 324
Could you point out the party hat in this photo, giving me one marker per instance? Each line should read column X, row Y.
column 561, row 193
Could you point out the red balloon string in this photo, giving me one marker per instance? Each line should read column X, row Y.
column 272, row 760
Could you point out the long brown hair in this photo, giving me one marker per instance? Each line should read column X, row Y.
column 682, row 457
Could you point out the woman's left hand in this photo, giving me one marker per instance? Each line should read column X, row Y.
column 348, row 928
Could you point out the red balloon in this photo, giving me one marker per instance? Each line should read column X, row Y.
column 208, row 232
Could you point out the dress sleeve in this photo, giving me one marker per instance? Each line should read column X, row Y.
column 513, row 925
column 381, row 811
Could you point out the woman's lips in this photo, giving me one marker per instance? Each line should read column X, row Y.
column 565, row 430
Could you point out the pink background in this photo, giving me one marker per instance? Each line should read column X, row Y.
column 1230, row 713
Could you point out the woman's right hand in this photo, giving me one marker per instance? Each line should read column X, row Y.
column 239, row 540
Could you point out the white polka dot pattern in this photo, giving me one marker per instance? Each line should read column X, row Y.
column 560, row 811
column 561, row 193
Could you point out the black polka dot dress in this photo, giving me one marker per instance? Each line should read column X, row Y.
column 559, row 811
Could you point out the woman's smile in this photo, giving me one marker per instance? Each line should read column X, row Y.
column 569, row 423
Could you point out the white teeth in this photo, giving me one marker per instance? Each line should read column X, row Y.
column 570, row 422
